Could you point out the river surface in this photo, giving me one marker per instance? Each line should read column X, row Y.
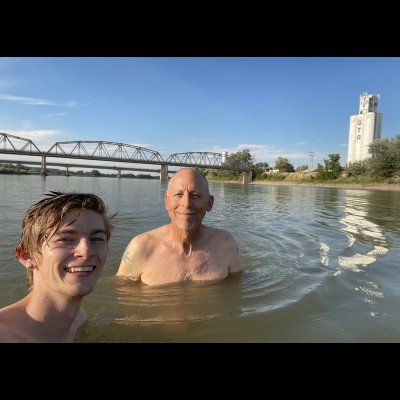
column 321, row 264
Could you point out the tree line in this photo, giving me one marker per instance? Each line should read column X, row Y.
column 10, row 168
column 384, row 164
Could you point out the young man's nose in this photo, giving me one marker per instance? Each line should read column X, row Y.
column 83, row 248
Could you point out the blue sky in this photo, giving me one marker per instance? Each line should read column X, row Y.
column 273, row 106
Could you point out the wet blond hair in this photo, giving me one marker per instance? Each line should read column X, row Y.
column 43, row 219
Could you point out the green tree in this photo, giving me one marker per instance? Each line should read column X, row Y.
column 358, row 168
column 258, row 170
column 283, row 165
column 385, row 161
column 332, row 169
column 239, row 159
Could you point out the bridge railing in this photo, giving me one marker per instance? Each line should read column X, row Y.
column 104, row 151
column 17, row 144
column 208, row 160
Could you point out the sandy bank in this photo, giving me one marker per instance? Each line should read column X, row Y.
column 370, row 186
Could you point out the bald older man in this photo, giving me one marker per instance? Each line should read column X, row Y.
column 184, row 249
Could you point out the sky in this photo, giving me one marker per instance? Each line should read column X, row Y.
column 273, row 106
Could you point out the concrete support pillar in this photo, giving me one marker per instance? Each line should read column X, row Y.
column 43, row 171
column 164, row 173
column 119, row 174
column 67, row 171
column 247, row 177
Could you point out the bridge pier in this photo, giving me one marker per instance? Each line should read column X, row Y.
column 43, row 170
column 247, row 177
column 164, row 173
column 118, row 174
column 67, row 171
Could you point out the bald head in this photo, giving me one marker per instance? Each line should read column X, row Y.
column 190, row 174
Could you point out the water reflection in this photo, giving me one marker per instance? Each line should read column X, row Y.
column 359, row 228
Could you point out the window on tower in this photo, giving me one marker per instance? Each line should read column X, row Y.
column 358, row 137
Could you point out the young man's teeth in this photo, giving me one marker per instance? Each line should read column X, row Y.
column 80, row 269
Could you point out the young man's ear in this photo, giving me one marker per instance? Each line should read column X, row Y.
column 25, row 259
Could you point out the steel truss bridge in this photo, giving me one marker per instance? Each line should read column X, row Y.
column 118, row 152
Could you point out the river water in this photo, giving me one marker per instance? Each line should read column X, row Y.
column 321, row 264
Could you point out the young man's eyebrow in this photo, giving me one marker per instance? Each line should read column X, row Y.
column 66, row 229
column 94, row 231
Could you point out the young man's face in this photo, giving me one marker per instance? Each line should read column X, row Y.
column 73, row 259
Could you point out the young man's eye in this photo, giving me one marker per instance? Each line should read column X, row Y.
column 64, row 239
column 99, row 239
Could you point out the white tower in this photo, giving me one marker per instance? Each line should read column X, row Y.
column 364, row 128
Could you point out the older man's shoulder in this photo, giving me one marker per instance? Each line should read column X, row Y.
column 148, row 237
column 217, row 232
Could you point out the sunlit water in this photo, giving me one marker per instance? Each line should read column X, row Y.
column 321, row 264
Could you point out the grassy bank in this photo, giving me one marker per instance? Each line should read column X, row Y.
column 310, row 179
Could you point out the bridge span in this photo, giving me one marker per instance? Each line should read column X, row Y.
column 112, row 152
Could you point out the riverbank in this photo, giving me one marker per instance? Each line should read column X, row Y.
column 395, row 187
column 311, row 179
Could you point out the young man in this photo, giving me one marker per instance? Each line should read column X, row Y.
column 184, row 249
column 63, row 246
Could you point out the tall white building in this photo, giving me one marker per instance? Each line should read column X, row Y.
column 364, row 128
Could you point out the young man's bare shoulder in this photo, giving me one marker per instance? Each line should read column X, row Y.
column 11, row 311
column 3, row 317
column 7, row 323
column 4, row 333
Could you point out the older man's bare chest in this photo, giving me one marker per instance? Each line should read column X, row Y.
column 168, row 266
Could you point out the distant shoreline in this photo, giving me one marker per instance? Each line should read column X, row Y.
column 392, row 187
